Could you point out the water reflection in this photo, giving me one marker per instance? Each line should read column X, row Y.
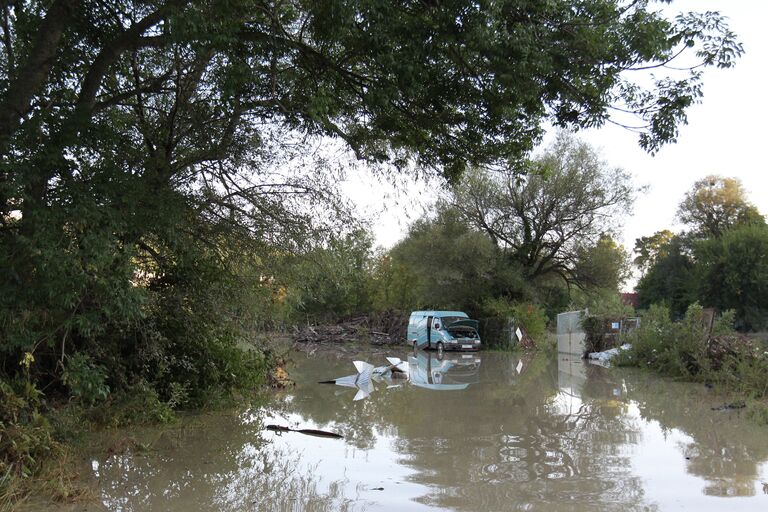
column 530, row 434
column 428, row 370
column 443, row 372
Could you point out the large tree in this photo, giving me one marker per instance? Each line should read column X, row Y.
column 603, row 266
column 445, row 263
column 548, row 220
column 452, row 81
column 715, row 204
column 671, row 279
column 650, row 248
column 734, row 274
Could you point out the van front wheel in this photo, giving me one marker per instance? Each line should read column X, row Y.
column 440, row 350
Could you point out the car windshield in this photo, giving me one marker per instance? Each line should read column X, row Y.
column 448, row 320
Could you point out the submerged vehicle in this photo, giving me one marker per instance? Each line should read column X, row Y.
column 443, row 330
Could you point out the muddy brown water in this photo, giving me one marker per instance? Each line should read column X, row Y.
column 486, row 432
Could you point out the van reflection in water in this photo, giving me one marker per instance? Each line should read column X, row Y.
column 443, row 372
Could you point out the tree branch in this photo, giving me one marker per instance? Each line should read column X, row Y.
column 34, row 72
column 127, row 39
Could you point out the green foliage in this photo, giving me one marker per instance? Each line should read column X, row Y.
column 724, row 323
column 533, row 318
column 685, row 349
column 603, row 266
column 605, row 303
column 721, row 264
column 757, row 411
column 745, row 372
column 605, row 307
column 153, row 170
column 26, row 437
column 498, row 306
column 672, row 279
column 716, row 204
column 330, row 282
column 672, row 348
column 650, row 248
column 136, row 405
column 553, row 223
column 394, row 284
column 734, row 270
column 85, row 379
column 446, row 264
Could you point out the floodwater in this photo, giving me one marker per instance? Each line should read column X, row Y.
column 488, row 431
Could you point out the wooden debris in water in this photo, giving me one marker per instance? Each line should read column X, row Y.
column 305, row 431
column 378, row 330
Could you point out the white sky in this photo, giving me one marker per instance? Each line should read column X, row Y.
column 725, row 135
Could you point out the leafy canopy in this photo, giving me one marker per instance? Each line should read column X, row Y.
column 448, row 82
column 650, row 248
column 715, row 204
column 551, row 220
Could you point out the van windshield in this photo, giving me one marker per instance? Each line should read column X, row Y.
column 448, row 320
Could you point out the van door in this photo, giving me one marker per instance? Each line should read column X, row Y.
column 429, row 332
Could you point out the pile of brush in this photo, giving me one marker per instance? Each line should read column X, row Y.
column 356, row 329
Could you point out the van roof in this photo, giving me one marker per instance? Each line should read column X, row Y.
column 439, row 313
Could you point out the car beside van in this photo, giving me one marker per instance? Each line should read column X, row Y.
column 443, row 331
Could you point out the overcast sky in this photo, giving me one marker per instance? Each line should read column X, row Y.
column 725, row 135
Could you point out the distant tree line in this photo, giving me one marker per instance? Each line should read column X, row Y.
column 540, row 234
column 720, row 260
column 547, row 237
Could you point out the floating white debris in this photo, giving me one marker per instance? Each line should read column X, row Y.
column 607, row 355
column 424, row 370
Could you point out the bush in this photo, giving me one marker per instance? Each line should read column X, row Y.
column 85, row 380
column 529, row 316
column 139, row 404
column 672, row 348
column 757, row 411
column 685, row 349
column 533, row 319
column 26, row 437
column 599, row 337
column 649, row 340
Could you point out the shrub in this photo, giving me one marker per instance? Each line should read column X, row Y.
column 757, row 411
column 529, row 316
column 649, row 340
column 533, row 319
column 26, row 437
column 85, row 379
column 678, row 349
column 139, row 404
column 686, row 349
